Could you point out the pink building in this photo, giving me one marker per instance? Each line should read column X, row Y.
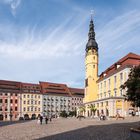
column 9, row 100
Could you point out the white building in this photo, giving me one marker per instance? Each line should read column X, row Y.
column 58, row 97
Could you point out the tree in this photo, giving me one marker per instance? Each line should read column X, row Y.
column 82, row 109
column 132, row 86
column 72, row 113
column 92, row 109
column 63, row 114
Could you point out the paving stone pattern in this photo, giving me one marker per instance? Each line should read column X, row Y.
column 69, row 129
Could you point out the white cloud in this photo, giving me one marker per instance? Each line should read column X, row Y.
column 118, row 37
column 58, row 54
column 14, row 4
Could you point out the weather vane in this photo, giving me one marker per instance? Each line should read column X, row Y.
column 91, row 12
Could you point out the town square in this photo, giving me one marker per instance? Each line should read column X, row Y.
column 69, row 70
column 70, row 129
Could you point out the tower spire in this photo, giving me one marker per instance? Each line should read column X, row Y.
column 91, row 44
column 91, row 12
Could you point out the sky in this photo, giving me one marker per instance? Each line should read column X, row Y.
column 45, row 40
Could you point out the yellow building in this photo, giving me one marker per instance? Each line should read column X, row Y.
column 31, row 100
column 104, row 91
column 91, row 64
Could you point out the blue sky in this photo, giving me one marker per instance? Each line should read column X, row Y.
column 44, row 40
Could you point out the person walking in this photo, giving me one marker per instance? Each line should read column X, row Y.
column 46, row 119
column 41, row 119
column 50, row 118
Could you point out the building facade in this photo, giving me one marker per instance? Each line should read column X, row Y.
column 19, row 99
column 105, row 92
column 58, row 98
column 31, row 99
column 10, row 100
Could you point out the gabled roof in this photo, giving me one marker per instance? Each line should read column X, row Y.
column 129, row 60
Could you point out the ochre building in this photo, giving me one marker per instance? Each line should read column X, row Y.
column 104, row 90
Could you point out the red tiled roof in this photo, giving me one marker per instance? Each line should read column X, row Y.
column 30, row 88
column 54, row 88
column 77, row 92
column 9, row 86
column 129, row 60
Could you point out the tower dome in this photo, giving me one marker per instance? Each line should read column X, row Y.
column 91, row 44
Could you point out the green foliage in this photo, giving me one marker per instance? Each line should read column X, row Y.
column 132, row 86
column 72, row 113
column 82, row 109
column 92, row 108
column 63, row 114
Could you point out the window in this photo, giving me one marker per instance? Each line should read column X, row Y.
column 106, row 103
column 0, row 100
column 108, row 94
column 109, row 84
column 115, row 93
column 93, row 66
column 35, row 109
column 24, row 109
column 38, row 102
column 121, row 78
column 38, row 96
column 24, row 96
column 115, row 81
column 38, row 109
column 24, row 102
column 15, row 94
column 102, row 104
column 86, row 82
column 121, row 92
column 28, row 96
column 11, row 101
column 28, row 109
column 16, row 108
column 16, row 101
column 5, row 100
column 105, row 94
column 6, row 109
column 28, row 102
column 105, row 84
column 31, row 101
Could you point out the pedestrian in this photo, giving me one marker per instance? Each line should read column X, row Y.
column 133, row 114
column 50, row 118
column 41, row 119
column 46, row 119
column 117, row 116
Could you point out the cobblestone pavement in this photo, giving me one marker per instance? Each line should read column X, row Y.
column 70, row 129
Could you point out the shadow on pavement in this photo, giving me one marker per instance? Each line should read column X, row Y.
column 119, row 131
column 5, row 123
